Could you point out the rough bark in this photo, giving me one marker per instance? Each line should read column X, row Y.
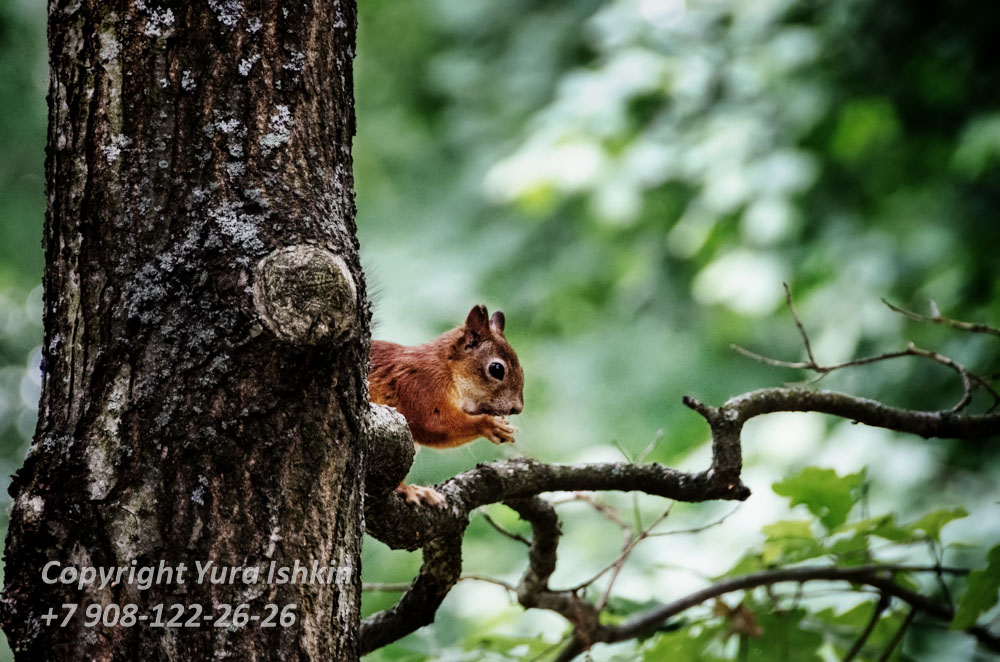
column 188, row 413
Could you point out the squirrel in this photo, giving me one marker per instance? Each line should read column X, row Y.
column 458, row 387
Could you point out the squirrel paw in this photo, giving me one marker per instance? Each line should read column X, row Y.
column 499, row 431
column 416, row 495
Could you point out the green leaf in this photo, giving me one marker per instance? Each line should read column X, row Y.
column 883, row 526
column 855, row 618
column 789, row 541
column 827, row 496
column 685, row 646
column 797, row 528
column 931, row 523
column 751, row 562
column 852, row 547
column 784, row 638
column 981, row 594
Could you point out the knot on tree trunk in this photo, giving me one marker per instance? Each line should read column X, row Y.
column 305, row 295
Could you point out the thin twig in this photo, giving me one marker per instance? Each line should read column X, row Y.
column 898, row 636
column 401, row 587
column 626, row 551
column 937, row 554
column 798, row 323
column 551, row 648
column 385, row 588
column 489, row 580
column 602, row 508
column 629, row 544
column 880, row 606
column 967, row 377
column 815, row 367
column 875, row 576
column 657, row 438
column 696, row 529
column 964, row 374
column 936, row 318
column 510, row 534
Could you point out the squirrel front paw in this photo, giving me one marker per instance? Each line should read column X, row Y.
column 416, row 495
column 498, row 430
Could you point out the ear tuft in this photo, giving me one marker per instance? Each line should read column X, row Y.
column 497, row 322
column 477, row 326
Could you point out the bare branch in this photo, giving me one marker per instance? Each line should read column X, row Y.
column 534, row 590
column 439, row 572
column 960, row 369
column 504, row 532
column 882, row 604
column 439, row 530
column 619, row 561
column 798, row 323
column 898, row 636
column 967, row 377
column 964, row 374
column 697, row 529
column 402, row 526
column 879, row 577
column 518, row 482
column 616, row 569
column 602, row 509
column 488, row 580
column 936, row 318
column 736, row 411
column 377, row 587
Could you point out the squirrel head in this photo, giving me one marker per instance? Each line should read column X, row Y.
column 487, row 373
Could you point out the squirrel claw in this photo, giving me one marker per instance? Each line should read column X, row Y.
column 500, row 431
column 417, row 494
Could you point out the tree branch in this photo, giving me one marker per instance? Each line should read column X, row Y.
column 736, row 411
column 439, row 572
column 534, row 590
column 504, row 532
column 967, row 377
column 880, row 607
column 897, row 636
column 439, row 530
column 936, row 318
column 518, row 482
column 402, row 526
column 872, row 575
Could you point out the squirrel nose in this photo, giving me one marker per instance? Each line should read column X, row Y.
column 516, row 409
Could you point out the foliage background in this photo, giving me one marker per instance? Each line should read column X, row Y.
column 631, row 181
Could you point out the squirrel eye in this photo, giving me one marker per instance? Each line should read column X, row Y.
column 496, row 370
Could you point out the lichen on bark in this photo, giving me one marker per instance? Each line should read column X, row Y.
column 170, row 427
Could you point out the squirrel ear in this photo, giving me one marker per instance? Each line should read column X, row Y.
column 497, row 322
column 477, row 326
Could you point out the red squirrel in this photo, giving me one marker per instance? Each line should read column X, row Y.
column 458, row 387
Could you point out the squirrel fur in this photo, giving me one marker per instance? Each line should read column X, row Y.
column 456, row 388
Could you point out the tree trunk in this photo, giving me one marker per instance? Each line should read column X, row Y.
column 206, row 336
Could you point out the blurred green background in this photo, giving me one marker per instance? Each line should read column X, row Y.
column 631, row 181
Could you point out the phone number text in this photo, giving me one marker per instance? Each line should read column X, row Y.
column 174, row 616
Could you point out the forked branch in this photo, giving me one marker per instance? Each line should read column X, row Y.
column 517, row 483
